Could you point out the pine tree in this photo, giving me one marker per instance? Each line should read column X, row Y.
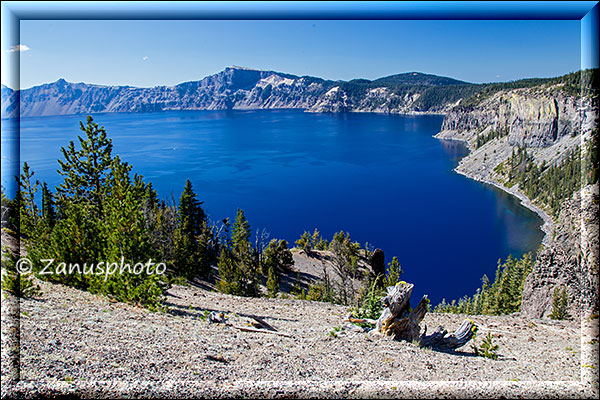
column 190, row 212
column 244, row 256
column 28, row 210
column 305, row 242
column 86, row 170
column 393, row 273
column 191, row 236
column 278, row 256
column 560, row 301
column 240, row 235
column 272, row 281
column 48, row 214
column 229, row 274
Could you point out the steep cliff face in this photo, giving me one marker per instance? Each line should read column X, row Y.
column 544, row 120
column 548, row 123
column 239, row 88
column 535, row 117
column 570, row 261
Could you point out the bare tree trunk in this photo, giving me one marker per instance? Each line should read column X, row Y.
column 399, row 321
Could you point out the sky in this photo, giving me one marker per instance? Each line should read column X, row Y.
column 150, row 53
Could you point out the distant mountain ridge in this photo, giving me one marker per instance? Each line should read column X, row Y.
column 244, row 88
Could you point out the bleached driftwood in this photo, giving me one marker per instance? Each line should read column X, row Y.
column 402, row 322
column 442, row 340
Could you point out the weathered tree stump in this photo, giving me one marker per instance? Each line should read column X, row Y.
column 402, row 322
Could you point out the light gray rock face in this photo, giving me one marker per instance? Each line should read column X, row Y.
column 233, row 88
column 571, row 261
column 534, row 117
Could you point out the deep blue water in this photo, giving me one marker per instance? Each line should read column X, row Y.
column 383, row 178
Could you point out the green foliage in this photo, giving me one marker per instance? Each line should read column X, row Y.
column 10, row 210
column 230, row 277
column 308, row 242
column 346, row 254
column 574, row 84
column 548, row 185
column 239, row 266
column 334, row 332
column 21, row 285
column 369, row 303
column 277, row 256
column 560, row 302
column 48, row 213
column 28, row 210
column 86, row 170
column 100, row 218
column 487, row 348
column 503, row 296
column 244, row 256
column 393, row 273
column 483, row 139
column 272, row 281
column 322, row 291
column 304, row 242
column 318, row 242
column 190, row 213
column 191, row 255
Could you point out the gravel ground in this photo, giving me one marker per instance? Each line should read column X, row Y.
column 79, row 343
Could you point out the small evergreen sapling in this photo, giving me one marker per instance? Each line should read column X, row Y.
column 560, row 302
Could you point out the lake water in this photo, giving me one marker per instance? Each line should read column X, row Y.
column 383, row 178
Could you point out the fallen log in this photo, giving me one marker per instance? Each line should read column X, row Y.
column 262, row 323
column 402, row 323
column 249, row 329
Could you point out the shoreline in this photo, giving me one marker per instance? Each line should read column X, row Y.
column 548, row 223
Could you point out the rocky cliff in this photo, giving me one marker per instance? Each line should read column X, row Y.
column 548, row 122
column 242, row 88
column 570, row 261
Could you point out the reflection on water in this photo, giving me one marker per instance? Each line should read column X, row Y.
column 454, row 149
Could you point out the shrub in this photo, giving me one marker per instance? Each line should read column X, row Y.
column 487, row 348
column 21, row 285
column 369, row 304
column 560, row 303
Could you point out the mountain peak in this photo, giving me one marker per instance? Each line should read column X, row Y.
column 60, row 81
column 242, row 68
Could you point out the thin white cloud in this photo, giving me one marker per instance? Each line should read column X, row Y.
column 19, row 47
column 145, row 58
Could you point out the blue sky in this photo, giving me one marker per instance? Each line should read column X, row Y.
column 149, row 53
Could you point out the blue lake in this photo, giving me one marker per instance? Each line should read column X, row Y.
column 383, row 178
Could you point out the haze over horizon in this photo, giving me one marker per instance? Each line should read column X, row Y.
column 148, row 53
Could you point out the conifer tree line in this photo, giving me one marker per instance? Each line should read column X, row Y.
column 502, row 296
column 549, row 185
